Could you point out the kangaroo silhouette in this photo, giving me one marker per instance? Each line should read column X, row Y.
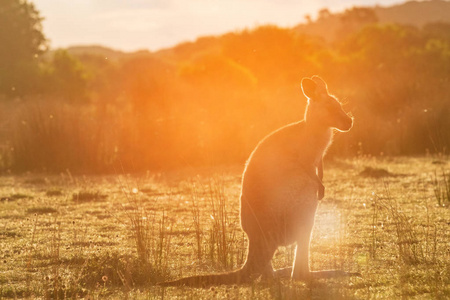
column 281, row 186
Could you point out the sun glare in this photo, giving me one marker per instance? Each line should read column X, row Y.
column 327, row 224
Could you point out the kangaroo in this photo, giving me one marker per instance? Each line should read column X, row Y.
column 281, row 186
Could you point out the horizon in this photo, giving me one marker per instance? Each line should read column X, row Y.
column 156, row 25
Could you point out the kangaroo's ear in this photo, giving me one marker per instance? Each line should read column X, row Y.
column 309, row 88
column 321, row 84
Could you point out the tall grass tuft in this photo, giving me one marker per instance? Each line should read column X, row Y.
column 409, row 249
column 442, row 188
column 221, row 240
column 409, row 244
column 152, row 238
column 216, row 238
column 196, row 218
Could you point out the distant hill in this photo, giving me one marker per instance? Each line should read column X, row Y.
column 102, row 51
column 328, row 25
column 95, row 50
column 414, row 13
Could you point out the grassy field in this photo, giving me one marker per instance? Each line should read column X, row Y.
column 116, row 236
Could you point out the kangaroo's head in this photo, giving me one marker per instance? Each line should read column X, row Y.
column 323, row 109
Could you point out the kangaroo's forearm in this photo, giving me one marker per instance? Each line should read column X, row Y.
column 321, row 192
column 320, row 170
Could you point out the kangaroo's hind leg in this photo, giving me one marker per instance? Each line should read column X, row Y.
column 300, row 269
column 260, row 253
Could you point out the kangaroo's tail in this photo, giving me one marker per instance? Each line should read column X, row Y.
column 235, row 277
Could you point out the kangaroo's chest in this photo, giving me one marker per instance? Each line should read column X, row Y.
column 317, row 145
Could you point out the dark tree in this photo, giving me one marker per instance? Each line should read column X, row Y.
column 352, row 20
column 359, row 15
column 21, row 43
column 66, row 77
column 323, row 14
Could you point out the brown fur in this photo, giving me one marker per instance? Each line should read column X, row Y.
column 281, row 186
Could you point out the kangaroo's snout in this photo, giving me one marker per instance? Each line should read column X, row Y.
column 346, row 123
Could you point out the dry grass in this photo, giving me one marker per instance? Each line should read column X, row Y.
column 393, row 229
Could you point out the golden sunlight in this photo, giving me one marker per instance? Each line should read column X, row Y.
column 190, row 149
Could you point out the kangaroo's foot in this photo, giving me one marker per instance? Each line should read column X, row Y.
column 240, row 276
column 283, row 272
column 333, row 274
column 270, row 273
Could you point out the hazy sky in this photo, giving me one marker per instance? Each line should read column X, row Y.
column 154, row 24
